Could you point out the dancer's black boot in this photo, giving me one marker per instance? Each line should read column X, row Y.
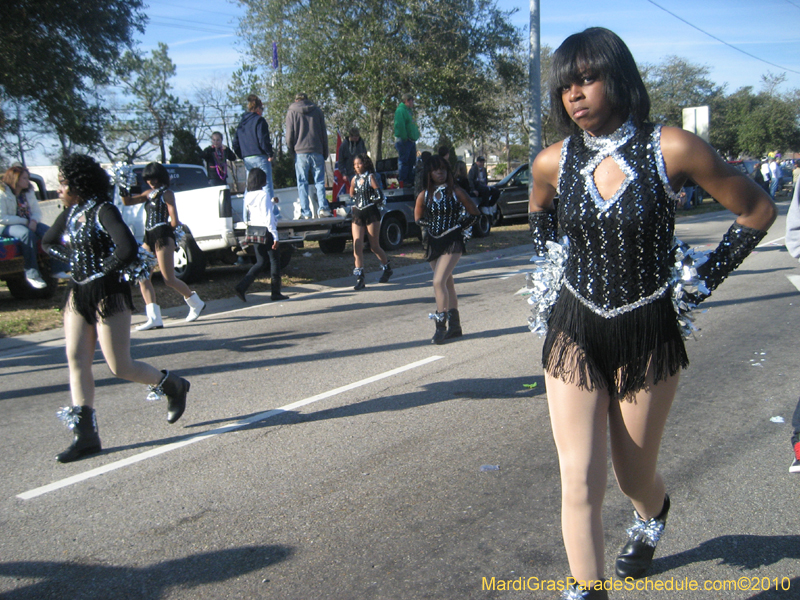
column 577, row 592
column 440, row 318
column 387, row 272
column 175, row 389
column 83, row 423
column 275, row 282
column 359, row 273
column 453, row 324
column 637, row 554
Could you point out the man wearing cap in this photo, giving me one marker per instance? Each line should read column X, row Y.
column 307, row 139
column 406, row 135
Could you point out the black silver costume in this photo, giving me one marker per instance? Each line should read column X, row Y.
column 157, row 228
column 366, row 201
column 447, row 221
column 614, row 319
column 94, row 240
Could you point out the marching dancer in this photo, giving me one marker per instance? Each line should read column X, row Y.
column 445, row 211
column 365, row 190
column 614, row 345
column 98, row 309
column 159, row 238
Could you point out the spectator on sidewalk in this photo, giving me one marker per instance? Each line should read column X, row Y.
column 307, row 139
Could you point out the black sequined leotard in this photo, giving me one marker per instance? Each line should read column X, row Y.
column 157, row 226
column 366, row 200
column 614, row 319
column 445, row 215
column 94, row 240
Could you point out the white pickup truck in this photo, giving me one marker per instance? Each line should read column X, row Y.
column 214, row 223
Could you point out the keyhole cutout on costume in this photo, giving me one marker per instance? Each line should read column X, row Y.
column 608, row 178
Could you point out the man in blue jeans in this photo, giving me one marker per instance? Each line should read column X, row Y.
column 252, row 142
column 406, row 134
column 307, row 139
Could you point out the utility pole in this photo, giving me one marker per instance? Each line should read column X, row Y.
column 535, row 87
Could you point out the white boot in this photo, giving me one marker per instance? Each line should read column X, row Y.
column 153, row 318
column 196, row 306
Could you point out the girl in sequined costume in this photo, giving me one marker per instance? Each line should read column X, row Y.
column 159, row 238
column 91, row 236
column 613, row 348
column 365, row 190
column 445, row 213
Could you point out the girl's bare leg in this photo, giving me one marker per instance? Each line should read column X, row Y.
column 166, row 264
column 146, row 286
column 358, row 244
column 444, row 288
column 81, row 340
column 578, row 418
column 636, row 426
column 114, row 334
column 373, row 231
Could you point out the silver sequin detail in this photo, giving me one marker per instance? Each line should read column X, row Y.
column 662, row 167
column 439, row 317
column 70, row 415
column 649, row 531
column 444, row 212
column 573, row 592
column 543, row 284
column 621, row 310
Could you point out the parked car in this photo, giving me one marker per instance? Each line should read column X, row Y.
column 513, row 200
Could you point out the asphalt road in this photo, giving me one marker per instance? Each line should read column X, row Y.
column 330, row 451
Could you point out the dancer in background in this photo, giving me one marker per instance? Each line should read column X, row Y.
column 159, row 238
column 98, row 309
column 365, row 190
column 262, row 233
column 614, row 346
column 447, row 213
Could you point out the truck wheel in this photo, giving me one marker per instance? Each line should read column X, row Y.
column 482, row 226
column 190, row 262
column 333, row 245
column 392, row 231
column 22, row 290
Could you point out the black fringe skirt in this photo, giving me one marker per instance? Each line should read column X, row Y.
column 450, row 243
column 158, row 237
column 364, row 216
column 103, row 297
column 618, row 353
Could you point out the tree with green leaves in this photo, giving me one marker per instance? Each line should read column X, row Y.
column 153, row 114
column 355, row 61
column 56, row 52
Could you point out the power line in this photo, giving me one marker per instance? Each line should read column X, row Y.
column 723, row 41
column 793, row 3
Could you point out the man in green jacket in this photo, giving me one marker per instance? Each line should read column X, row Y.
column 406, row 135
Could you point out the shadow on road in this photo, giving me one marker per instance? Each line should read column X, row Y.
column 103, row 582
column 747, row 552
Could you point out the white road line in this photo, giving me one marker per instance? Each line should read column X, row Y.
column 795, row 280
column 215, row 432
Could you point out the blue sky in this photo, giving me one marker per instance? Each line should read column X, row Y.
column 201, row 34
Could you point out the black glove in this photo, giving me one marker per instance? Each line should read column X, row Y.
column 544, row 228
column 736, row 244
